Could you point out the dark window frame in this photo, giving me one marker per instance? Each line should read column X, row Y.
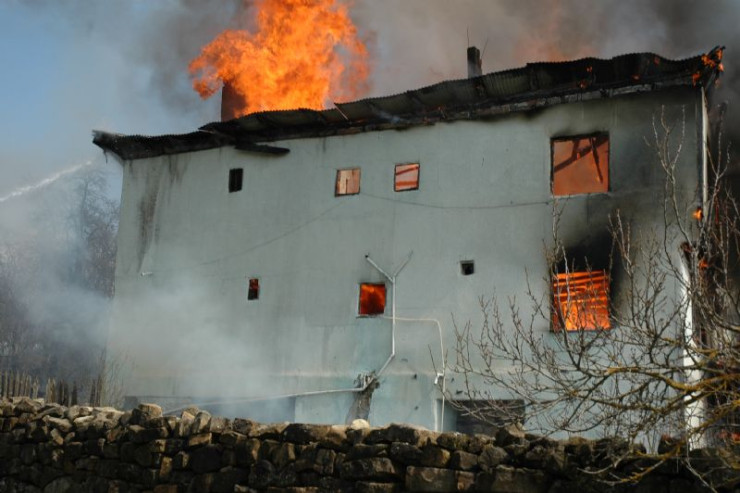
column 253, row 289
column 236, row 179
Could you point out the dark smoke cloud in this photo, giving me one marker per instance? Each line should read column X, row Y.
column 420, row 42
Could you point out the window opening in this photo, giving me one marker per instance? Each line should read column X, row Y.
column 406, row 177
column 581, row 300
column 486, row 416
column 253, row 293
column 467, row 267
column 372, row 299
column 236, row 177
column 348, row 182
column 580, row 164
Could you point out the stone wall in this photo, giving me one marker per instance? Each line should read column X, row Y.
column 53, row 449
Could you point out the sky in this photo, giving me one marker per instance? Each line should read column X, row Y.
column 71, row 66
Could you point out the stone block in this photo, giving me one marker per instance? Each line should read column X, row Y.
column 272, row 431
column 393, row 433
column 452, row 440
column 262, row 474
column 405, row 453
column 433, row 456
column 139, row 434
column 201, row 483
column 365, row 487
column 362, row 451
column 283, row 455
column 510, row 434
column 227, row 478
column 182, row 428
column 492, row 456
column 243, row 426
column 432, row 479
column 230, row 438
column 56, row 438
column 145, row 457
column 303, row 434
column 199, row 440
column 463, row 461
column 511, row 480
column 324, row 461
column 377, row 469
column 165, row 468
column 218, row 424
column 61, row 424
column 200, row 423
column 206, row 459
column 166, row 488
column 181, row 460
column 248, row 452
column 145, row 412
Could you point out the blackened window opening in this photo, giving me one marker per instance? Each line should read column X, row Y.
column 253, row 293
column 467, row 267
column 236, row 178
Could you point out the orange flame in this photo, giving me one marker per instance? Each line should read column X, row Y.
column 303, row 53
column 581, row 301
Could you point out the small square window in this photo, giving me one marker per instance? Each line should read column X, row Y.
column 581, row 300
column 236, row 177
column 253, row 293
column 372, row 299
column 407, row 177
column 467, row 267
column 580, row 165
column 348, row 182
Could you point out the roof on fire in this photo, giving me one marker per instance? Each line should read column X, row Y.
column 533, row 86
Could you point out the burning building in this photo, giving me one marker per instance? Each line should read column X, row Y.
column 304, row 265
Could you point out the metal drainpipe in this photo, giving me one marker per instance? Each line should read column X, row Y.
column 392, row 280
column 439, row 375
column 368, row 381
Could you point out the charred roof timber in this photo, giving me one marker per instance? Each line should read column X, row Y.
column 535, row 85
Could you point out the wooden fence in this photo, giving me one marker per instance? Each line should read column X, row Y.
column 19, row 384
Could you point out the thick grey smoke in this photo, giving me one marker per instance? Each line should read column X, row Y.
column 420, row 42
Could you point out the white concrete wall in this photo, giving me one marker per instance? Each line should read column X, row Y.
column 186, row 329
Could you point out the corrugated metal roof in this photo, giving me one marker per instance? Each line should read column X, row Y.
column 448, row 100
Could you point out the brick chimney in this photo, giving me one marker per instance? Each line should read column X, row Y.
column 231, row 101
column 475, row 64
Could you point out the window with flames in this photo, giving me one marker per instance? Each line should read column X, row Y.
column 406, row 177
column 580, row 164
column 372, row 299
column 580, row 301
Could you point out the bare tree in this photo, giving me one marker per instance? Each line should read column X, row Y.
column 56, row 281
column 659, row 363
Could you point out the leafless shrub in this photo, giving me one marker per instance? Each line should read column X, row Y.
column 662, row 361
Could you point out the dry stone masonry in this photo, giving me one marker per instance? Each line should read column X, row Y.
column 54, row 449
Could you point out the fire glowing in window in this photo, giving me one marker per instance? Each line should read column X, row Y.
column 372, row 299
column 581, row 301
column 348, row 182
column 580, row 165
column 407, row 177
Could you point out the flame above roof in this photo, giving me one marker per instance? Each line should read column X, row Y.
column 533, row 86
